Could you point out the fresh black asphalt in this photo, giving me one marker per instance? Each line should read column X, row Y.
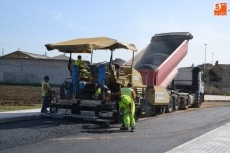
column 152, row 135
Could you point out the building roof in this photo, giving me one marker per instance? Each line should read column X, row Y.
column 64, row 57
column 225, row 67
column 116, row 61
column 212, row 73
column 61, row 57
column 35, row 55
column 186, row 67
column 207, row 65
column 32, row 55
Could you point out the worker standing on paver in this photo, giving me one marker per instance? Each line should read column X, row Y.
column 129, row 111
column 46, row 91
column 82, row 65
column 129, row 92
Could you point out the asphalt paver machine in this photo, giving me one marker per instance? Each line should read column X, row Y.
column 78, row 97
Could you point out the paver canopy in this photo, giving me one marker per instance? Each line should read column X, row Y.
column 87, row 45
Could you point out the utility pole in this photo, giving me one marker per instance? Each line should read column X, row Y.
column 212, row 58
column 2, row 51
column 205, row 56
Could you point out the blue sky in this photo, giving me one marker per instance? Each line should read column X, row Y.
column 29, row 25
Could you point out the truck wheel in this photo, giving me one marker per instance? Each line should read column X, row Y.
column 198, row 103
column 176, row 104
column 184, row 105
column 169, row 107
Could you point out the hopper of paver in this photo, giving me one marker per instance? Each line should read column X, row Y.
column 157, row 63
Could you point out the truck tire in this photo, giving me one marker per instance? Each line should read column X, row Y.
column 197, row 104
column 169, row 107
column 184, row 105
column 176, row 104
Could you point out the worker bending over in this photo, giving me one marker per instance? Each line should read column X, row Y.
column 129, row 111
column 129, row 92
column 82, row 65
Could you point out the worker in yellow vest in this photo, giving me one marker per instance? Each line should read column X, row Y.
column 129, row 111
column 46, row 91
column 129, row 92
column 82, row 65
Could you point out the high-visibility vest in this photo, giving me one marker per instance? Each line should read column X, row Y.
column 80, row 63
column 45, row 93
column 126, row 91
column 98, row 92
column 125, row 101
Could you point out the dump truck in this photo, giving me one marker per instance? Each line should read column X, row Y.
column 153, row 73
column 157, row 64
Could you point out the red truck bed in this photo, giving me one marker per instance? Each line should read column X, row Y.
column 157, row 63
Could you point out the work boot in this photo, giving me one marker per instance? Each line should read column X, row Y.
column 124, row 128
column 132, row 129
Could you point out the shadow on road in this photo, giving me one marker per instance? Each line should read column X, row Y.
column 84, row 126
column 101, row 129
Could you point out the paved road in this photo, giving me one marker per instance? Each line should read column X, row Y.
column 158, row 134
column 216, row 98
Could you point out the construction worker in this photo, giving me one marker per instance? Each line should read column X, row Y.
column 129, row 110
column 98, row 93
column 106, row 93
column 46, row 91
column 82, row 65
column 129, row 92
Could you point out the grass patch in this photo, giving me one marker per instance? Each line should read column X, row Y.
column 12, row 108
column 27, row 84
column 211, row 90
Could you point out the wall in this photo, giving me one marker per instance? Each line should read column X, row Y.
column 218, row 79
column 226, row 80
column 32, row 71
column 217, row 70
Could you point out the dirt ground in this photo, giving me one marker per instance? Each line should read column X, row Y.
column 214, row 104
column 28, row 95
column 20, row 95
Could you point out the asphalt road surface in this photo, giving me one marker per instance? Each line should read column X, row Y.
column 152, row 135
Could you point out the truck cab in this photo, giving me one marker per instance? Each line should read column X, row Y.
column 189, row 84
